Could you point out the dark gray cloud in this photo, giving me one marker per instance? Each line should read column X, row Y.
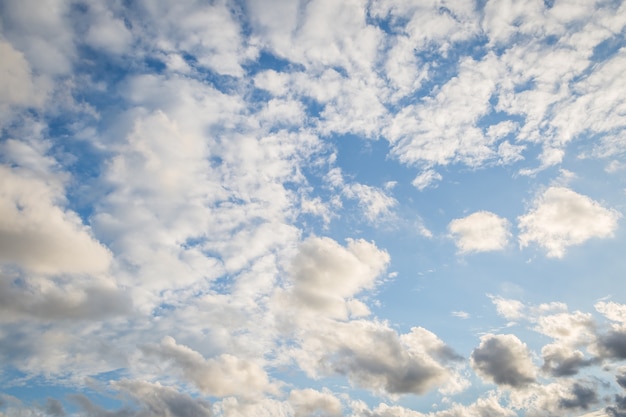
column 503, row 359
column 619, row 408
column 54, row 408
column 376, row 357
column 581, row 396
column 621, row 378
column 613, row 344
column 562, row 361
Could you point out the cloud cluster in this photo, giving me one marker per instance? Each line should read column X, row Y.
column 173, row 195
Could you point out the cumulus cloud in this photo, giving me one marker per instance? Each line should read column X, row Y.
column 482, row 231
column 17, row 84
column 148, row 399
column 310, row 402
column 220, row 376
column 326, row 274
column 580, row 397
column 37, row 299
column 561, row 217
column 504, row 360
column 373, row 356
column 39, row 235
column 559, row 360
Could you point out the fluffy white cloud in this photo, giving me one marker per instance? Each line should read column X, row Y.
column 38, row 234
column 325, row 275
column 17, row 84
column 221, row 376
column 310, row 402
column 561, row 217
column 482, row 231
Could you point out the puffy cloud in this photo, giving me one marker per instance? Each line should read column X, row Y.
column 482, row 231
column 17, row 84
column 503, row 359
column 571, row 329
column 106, row 30
column 483, row 407
column 561, row 217
column 38, row 234
column 42, row 31
column 265, row 407
column 32, row 298
column 375, row 357
column 309, row 402
column 580, row 397
column 221, row 376
column 559, row 360
column 325, row 274
column 208, row 32
column 149, row 399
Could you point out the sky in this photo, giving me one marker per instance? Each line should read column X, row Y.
column 320, row 208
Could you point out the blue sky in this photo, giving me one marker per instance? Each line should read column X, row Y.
column 312, row 208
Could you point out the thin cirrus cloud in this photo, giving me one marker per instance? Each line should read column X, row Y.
column 247, row 208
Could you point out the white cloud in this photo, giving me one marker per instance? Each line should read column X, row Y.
column 561, row 217
column 482, row 231
column 426, row 179
column 107, row 31
column 374, row 201
column 17, row 84
column 39, row 235
column 326, row 275
column 508, row 308
column 613, row 311
column 209, row 32
column 461, row 314
column 221, row 376
column 310, row 402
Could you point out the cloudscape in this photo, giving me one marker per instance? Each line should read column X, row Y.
column 321, row 208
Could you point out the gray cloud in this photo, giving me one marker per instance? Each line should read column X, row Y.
column 581, row 396
column 621, row 377
column 619, row 408
column 220, row 376
column 503, row 359
column 148, row 400
column 28, row 298
column 613, row 344
column 374, row 356
column 562, row 361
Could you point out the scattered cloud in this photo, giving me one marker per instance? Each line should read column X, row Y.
column 167, row 170
column 561, row 217
column 482, row 231
column 504, row 360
